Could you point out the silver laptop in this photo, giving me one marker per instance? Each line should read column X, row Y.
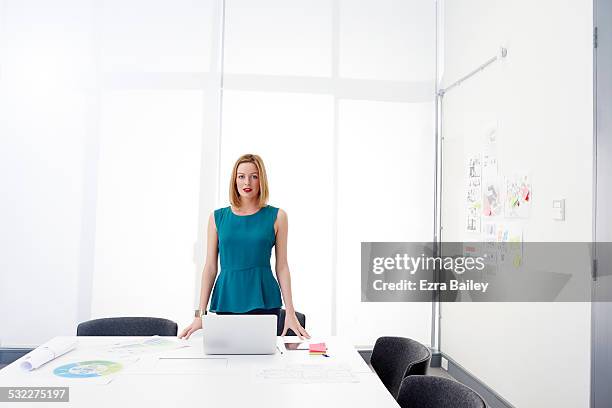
column 239, row 334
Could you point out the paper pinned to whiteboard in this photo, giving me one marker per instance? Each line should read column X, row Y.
column 492, row 196
column 517, row 203
column 473, row 194
column 503, row 244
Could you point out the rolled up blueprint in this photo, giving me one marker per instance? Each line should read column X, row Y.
column 47, row 352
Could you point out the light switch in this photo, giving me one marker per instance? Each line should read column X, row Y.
column 558, row 210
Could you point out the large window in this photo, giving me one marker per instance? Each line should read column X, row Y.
column 155, row 62
column 337, row 97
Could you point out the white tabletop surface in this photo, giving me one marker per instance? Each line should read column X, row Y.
column 186, row 377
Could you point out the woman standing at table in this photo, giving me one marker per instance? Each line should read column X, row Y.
column 243, row 235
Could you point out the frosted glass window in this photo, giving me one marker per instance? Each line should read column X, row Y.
column 156, row 36
column 293, row 135
column 385, row 182
column 148, row 195
column 46, row 46
column 278, row 37
column 388, row 40
column 45, row 117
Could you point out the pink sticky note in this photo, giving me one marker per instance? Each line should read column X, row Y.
column 318, row 348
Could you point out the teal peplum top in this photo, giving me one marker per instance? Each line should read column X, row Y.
column 245, row 281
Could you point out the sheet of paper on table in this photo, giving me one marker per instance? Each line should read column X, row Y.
column 77, row 368
column 179, row 365
column 96, row 364
column 306, row 374
column 154, row 344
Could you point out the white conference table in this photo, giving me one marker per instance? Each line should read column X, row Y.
column 186, row 377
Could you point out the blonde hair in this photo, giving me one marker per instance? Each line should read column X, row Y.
column 234, row 195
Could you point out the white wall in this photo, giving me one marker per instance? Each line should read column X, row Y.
column 532, row 354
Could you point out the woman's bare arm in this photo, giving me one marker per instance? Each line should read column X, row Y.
column 210, row 266
column 209, row 273
column 284, row 276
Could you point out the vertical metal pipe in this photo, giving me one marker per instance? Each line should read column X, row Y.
column 435, row 302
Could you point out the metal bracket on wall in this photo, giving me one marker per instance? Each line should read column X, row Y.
column 503, row 53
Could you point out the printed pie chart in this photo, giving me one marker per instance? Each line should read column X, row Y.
column 88, row 369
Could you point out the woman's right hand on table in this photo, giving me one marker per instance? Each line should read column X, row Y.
column 189, row 330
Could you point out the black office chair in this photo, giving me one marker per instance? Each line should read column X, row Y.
column 423, row 391
column 280, row 324
column 128, row 326
column 394, row 358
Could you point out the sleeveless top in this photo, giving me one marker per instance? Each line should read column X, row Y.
column 245, row 281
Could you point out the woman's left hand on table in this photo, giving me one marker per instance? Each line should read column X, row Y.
column 291, row 322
